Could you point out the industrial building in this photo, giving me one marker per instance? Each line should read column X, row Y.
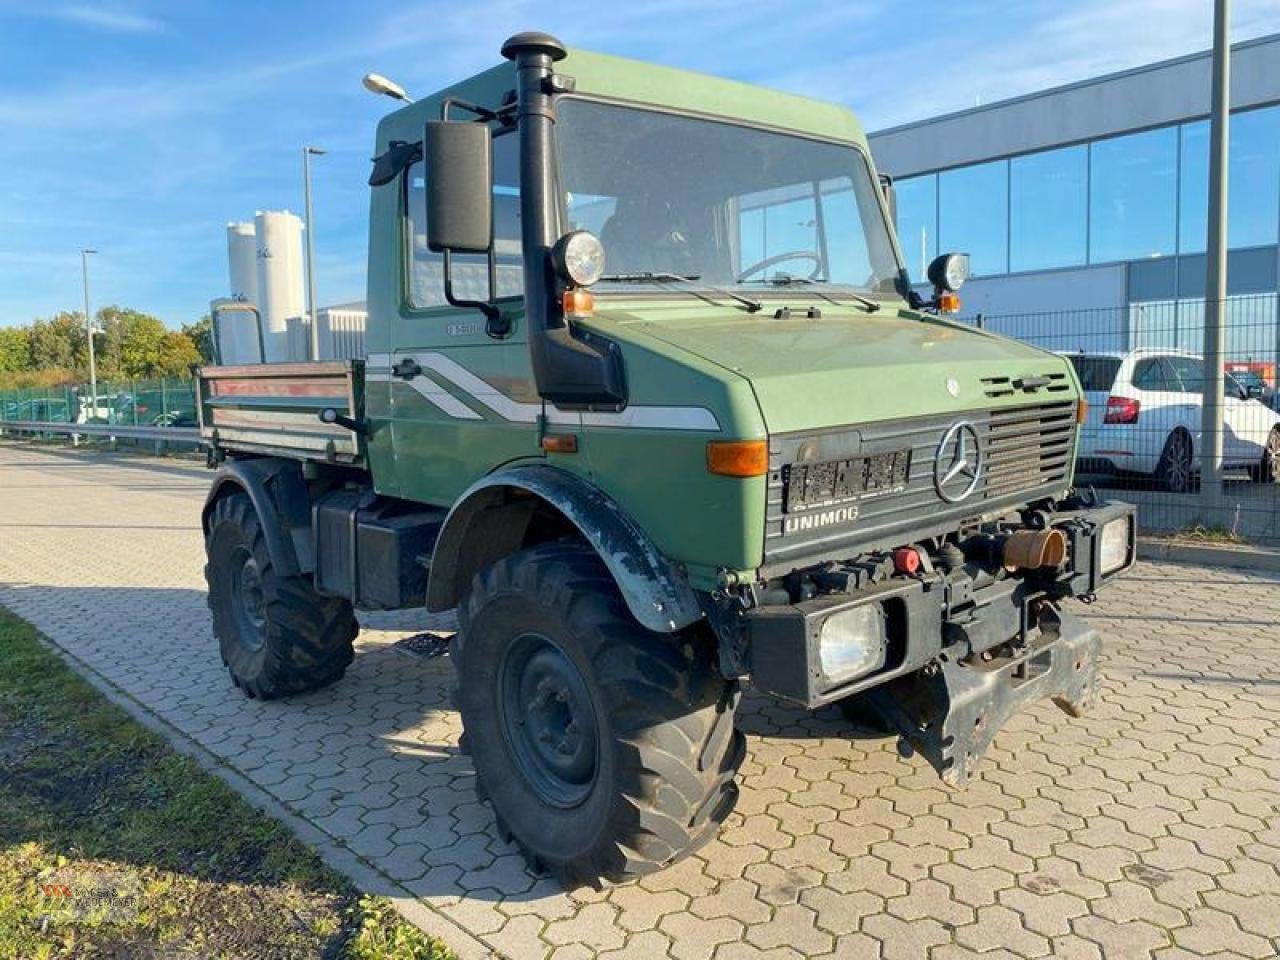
column 1093, row 196
column 265, row 268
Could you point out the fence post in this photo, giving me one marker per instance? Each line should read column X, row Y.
column 1215, row 287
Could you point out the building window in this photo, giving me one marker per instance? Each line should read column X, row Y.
column 1253, row 178
column 1047, row 209
column 1253, row 181
column 917, row 199
column 1193, row 187
column 1133, row 195
column 973, row 215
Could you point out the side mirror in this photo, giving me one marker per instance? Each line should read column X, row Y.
column 459, row 167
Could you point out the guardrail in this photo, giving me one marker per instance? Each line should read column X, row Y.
column 180, row 435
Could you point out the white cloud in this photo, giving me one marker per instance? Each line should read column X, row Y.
column 1014, row 49
column 113, row 19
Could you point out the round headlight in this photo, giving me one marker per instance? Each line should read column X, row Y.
column 579, row 257
column 949, row 271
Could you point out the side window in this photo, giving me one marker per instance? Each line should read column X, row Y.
column 1188, row 374
column 1150, row 375
column 470, row 271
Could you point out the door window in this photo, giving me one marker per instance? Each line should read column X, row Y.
column 470, row 271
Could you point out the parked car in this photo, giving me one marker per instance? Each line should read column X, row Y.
column 1257, row 388
column 170, row 406
column 1145, row 415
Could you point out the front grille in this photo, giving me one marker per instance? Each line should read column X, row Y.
column 1052, row 382
column 1027, row 449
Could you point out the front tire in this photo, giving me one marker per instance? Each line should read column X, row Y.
column 277, row 635
column 605, row 749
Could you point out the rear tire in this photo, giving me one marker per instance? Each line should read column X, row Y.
column 277, row 635
column 1174, row 471
column 1268, row 468
column 605, row 749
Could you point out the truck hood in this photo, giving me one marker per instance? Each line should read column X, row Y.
column 811, row 374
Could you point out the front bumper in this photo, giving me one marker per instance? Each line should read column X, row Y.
column 959, row 652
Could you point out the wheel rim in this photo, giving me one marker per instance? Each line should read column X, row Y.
column 249, row 600
column 1271, row 458
column 1179, row 470
column 548, row 720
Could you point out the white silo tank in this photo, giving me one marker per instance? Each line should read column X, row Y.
column 239, row 339
column 279, row 235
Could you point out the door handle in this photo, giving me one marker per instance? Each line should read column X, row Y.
column 407, row 368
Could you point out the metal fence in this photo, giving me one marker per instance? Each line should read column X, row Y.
column 1144, row 378
column 132, row 410
column 1140, row 367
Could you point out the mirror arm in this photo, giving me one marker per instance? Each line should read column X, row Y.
column 495, row 324
column 450, row 103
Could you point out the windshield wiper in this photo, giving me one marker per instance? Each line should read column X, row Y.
column 786, row 280
column 753, row 306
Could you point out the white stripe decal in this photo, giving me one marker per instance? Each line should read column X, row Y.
column 432, row 392
column 378, row 370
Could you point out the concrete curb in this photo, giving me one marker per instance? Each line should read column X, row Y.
column 365, row 876
column 1174, row 551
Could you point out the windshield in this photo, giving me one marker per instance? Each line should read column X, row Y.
column 726, row 204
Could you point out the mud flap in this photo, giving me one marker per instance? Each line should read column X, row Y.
column 951, row 711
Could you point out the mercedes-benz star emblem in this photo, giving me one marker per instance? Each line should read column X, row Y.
column 958, row 463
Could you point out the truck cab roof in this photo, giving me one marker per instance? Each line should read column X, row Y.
column 632, row 81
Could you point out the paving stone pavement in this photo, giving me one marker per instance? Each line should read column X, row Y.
column 1150, row 828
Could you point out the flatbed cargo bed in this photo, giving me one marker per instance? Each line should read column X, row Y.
column 274, row 408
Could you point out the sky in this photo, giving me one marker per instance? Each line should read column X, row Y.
column 140, row 128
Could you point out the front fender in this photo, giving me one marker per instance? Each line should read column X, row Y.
column 655, row 590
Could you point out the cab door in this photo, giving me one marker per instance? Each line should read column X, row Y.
column 462, row 402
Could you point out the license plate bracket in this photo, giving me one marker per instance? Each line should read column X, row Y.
column 810, row 485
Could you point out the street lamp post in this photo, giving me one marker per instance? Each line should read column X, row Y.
column 307, row 154
column 88, row 320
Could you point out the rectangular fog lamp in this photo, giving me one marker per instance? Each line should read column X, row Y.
column 852, row 643
column 1113, row 552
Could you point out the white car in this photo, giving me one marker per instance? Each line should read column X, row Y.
column 1144, row 417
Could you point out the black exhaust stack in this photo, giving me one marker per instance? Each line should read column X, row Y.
column 571, row 368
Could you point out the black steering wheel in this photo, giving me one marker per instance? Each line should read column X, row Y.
column 768, row 262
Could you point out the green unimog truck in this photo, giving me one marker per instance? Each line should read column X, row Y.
column 651, row 401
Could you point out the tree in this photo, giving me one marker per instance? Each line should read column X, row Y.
column 59, row 343
column 201, row 335
column 128, row 344
column 177, row 355
column 15, row 349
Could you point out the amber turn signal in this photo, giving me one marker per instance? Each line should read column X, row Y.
column 948, row 303
column 738, row 458
column 1082, row 409
column 560, row 443
column 578, row 302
